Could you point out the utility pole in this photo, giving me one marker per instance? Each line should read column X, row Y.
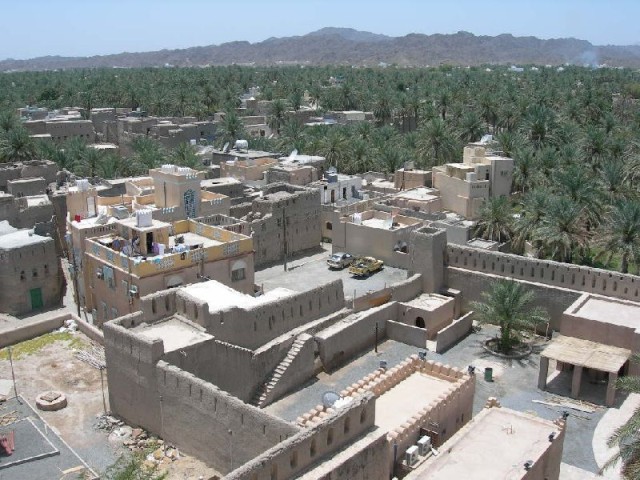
column 13, row 375
column 376, row 344
column 284, row 234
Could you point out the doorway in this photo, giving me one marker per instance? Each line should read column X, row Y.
column 36, row 298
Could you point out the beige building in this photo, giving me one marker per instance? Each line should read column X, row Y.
column 170, row 193
column 497, row 443
column 593, row 345
column 465, row 186
column 30, row 274
column 144, row 255
column 247, row 170
column 373, row 233
column 409, row 178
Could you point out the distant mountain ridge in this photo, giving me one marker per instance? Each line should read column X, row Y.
column 346, row 46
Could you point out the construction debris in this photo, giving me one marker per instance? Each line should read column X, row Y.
column 94, row 356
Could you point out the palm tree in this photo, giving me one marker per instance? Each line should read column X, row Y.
column 276, row 115
column 495, row 220
column 382, row 109
column 334, row 147
column 90, row 162
column 147, row 154
column 524, row 163
column 16, row 145
column 621, row 233
column 8, row 121
column 627, row 437
column 231, row 128
column 471, row 128
column 184, row 155
column 534, row 208
column 436, row 143
column 510, row 306
column 562, row 230
column 390, row 158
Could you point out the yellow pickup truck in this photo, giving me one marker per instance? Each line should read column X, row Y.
column 363, row 266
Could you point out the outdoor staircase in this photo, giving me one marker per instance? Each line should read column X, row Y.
column 261, row 397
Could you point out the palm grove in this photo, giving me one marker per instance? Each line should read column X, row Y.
column 573, row 135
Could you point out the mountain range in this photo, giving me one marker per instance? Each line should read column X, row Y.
column 346, row 46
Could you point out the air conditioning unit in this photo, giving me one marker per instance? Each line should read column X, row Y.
column 133, row 290
column 99, row 274
column 424, row 445
column 411, row 456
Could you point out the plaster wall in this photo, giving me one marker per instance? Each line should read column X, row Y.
column 554, row 274
column 212, row 425
column 266, row 321
column 293, row 456
column 353, row 334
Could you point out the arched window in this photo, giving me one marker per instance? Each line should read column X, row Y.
column 420, row 322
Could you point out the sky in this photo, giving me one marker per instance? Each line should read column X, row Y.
column 31, row 28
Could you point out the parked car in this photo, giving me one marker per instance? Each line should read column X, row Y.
column 363, row 266
column 339, row 260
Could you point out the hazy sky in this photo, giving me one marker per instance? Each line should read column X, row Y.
column 30, row 28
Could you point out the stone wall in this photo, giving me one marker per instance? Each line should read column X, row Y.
column 253, row 327
column 452, row 334
column 554, row 274
column 353, row 334
column 212, row 425
column 293, row 456
column 408, row 334
column 473, row 284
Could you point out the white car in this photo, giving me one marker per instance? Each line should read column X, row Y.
column 339, row 260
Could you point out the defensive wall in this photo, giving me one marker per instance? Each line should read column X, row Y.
column 266, row 321
column 556, row 285
column 334, row 432
column 211, row 424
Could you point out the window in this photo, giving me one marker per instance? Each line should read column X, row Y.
column 114, row 312
column 330, row 436
column 22, row 276
column 237, row 275
column 35, row 273
column 46, row 270
column 329, row 226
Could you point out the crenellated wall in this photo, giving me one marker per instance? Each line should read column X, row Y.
column 298, row 453
column 547, row 272
column 211, row 424
column 267, row 320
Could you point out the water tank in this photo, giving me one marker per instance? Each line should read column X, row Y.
column 82, row 184
column 472, row 177
column 241, row 145
column 144, row 218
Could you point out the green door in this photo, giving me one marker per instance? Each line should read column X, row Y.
column 36, row 298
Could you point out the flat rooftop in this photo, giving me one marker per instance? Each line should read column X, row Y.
column 495, row 444
column 428, row 301
column 421, row 193
column 174, row 333
column 301, row 401
column 220, row 297
column 606, row 310
column 395, row 407
column 480, row 243
column 21, row 238
column 36, row 200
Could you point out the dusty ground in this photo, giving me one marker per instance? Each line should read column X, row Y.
column 54, row 367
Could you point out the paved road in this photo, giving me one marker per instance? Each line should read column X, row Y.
column 311, row 271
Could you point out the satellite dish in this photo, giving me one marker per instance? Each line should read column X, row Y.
column 329, row 398
column 292, row 156
column 226, row 147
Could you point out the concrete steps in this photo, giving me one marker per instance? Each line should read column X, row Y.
column 262, row 394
